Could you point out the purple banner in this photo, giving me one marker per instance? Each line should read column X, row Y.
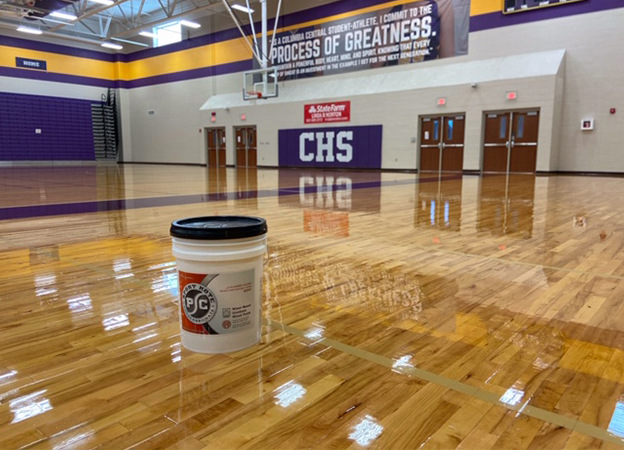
column 340, row 147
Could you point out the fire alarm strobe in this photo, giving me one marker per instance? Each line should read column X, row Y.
column 587, row 124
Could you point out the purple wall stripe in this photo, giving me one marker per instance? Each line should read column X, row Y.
column 57, row 77
column 23, row 212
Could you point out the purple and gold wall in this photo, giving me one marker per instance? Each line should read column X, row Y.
column 223, row 52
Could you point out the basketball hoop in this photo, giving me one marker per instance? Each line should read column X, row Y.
column 254, row 94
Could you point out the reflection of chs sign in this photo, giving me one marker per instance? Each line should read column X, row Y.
column 324, row 192
column 328, row 146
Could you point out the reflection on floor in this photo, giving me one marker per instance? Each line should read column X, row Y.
column 400, row 312
column 506, row 205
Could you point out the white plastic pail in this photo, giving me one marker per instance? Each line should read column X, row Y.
column 219, row 261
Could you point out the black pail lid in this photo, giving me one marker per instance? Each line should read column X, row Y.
column 218, row 227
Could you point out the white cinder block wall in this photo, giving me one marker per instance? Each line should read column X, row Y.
column 398, row 112
column 591, row 82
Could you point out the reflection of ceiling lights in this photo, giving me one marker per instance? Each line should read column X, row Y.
column 366, row 431
column 189, row 24
column 104, row 2
column 147, row 34
column 290, row 394
column 63, row 15
column 111, row 45
column 29, row 30
column 242, row 8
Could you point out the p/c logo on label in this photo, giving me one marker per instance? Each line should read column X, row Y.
column 200, row 304
column 326, row 146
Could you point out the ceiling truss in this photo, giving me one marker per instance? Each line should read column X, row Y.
column 97, row 23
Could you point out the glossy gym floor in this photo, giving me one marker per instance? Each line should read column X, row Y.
column 400, row 311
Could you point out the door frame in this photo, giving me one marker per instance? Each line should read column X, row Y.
column 206, row 130
column 235, row 128
column 419, row 134
column 511, row 111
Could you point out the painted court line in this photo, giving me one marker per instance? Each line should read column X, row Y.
column 458, row 386
column 26, row 212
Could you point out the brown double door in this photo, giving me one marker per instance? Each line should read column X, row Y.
column 442, row 143
column 216, row 147
column 510, row 143
column 246, row 147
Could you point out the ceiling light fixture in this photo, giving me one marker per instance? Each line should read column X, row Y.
column 242, row 8
column 104, row 2
column 29, row 30
column 147, row 34
column 189, row 24
column 111, row 45
column 63, row 15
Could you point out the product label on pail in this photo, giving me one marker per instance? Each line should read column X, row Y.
column 217, row 303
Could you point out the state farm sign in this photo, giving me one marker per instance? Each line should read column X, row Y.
column 327, row 112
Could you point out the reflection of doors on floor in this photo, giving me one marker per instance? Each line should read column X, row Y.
column 510, row 143
column 506, row 204
column 442, row 143
column 217, row 183
column 247, row 183
column 215, row 138
column 246, row 147
column 439, row 205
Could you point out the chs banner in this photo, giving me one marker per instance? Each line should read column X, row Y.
column 348, row 147
column 402, row 34
column 327, row 112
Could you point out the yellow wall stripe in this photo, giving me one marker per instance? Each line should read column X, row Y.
column 478, row 7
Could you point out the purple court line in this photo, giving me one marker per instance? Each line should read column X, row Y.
column 24, row 212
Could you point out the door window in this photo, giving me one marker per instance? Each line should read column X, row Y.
column 450, row 130
column 520, row 130
column 503, row 127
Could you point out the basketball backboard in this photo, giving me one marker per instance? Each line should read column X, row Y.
column 260, row 84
